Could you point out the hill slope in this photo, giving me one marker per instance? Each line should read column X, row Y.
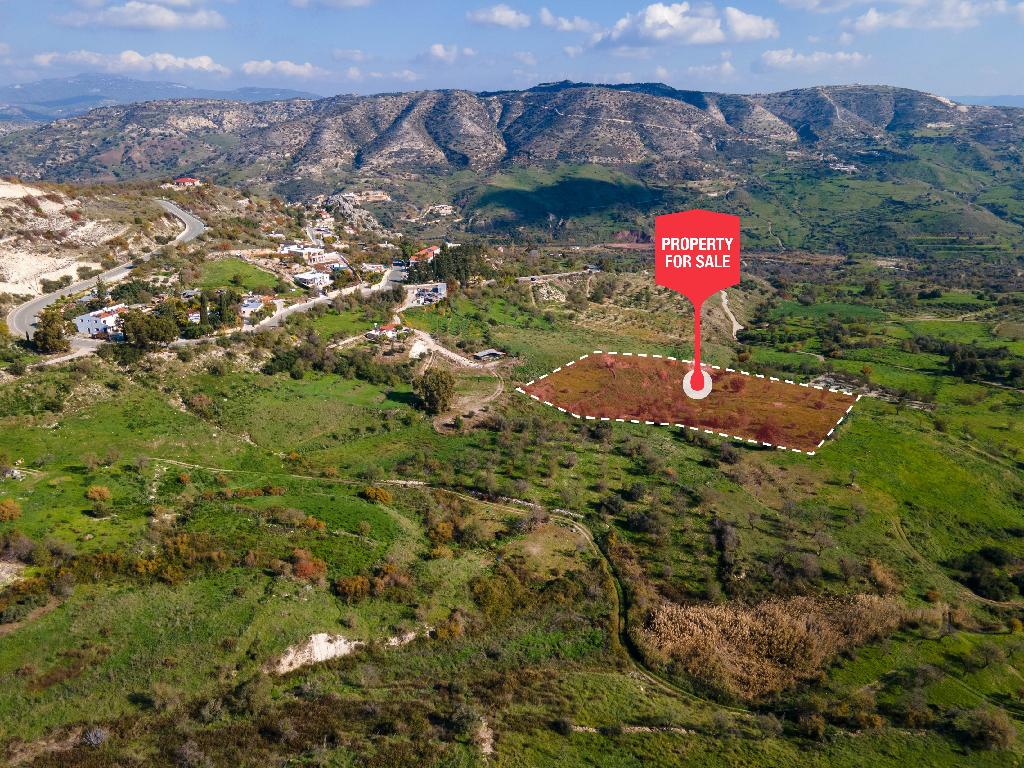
column 681, row 134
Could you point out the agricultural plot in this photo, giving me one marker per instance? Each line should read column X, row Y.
column 754, row 409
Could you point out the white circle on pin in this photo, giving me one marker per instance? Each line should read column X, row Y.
column 696, row 394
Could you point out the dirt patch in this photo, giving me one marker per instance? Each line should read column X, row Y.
column 20, row 754
column 9, row 572
column 649, row 389
column 324, row 647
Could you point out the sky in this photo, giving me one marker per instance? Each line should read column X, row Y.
column 949, row 47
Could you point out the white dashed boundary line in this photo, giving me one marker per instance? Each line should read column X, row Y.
column 737, row 438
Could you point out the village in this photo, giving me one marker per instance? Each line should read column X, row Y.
column 300, row 271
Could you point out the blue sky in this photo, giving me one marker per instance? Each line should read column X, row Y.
column 951, row 47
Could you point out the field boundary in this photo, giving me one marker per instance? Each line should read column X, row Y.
column 737, row 438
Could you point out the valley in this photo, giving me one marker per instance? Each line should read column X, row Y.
column 289, row 508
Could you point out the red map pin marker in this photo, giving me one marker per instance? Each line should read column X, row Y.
column 697, row 254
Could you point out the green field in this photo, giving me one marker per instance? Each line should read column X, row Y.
column 236, row 273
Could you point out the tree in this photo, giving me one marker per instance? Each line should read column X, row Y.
column 436, row 390
column 51, row 334
column 986, row 727
column 145, row 331
column 98, row 493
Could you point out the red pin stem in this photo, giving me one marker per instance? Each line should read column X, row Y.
column 697, row 381
column 697, row 254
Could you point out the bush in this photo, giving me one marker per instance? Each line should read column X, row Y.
column 98, row 493
column 9, row 510
column 376, row 495
column 986, row 728
column 352, row 589
column 306, row 567
column 563, row 726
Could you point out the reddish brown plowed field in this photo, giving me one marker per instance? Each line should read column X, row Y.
column 651, row 389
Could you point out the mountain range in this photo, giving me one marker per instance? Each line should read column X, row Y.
column 54, row 98
column 834, row 161
column 672, row 133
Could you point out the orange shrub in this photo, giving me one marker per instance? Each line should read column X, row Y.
column 9, row 510
column 98, row 493
column 306, row 567
column 352, row 589
column 377, row 495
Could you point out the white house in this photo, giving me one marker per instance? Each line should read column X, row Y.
column 100, row 322
column 374, row 268
column 325, row 258
column 252, row 304
column 302, row 249
column 313, row 279
column 187, row 181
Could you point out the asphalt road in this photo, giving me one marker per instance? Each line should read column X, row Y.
column 22, row 319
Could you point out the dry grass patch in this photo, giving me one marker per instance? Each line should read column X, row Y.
column 754, row 651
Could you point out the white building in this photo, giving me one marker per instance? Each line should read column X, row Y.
column 325, row 258
column 306, row 250
column 100, row 322
column 252, row 304
column 374, row 268
column 313, row 279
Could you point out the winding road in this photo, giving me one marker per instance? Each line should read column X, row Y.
column 22, row 319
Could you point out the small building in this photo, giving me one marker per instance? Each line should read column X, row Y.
column 187, row 181
column 330, row 257
column 305, row 250
column 431, row 293
column 252, row 304
column 191, row 293
column 102, row 322
column 195, row 318
column 313, row 279
column 374, row 268
column 487, row 355
column 276, row 235
column 427, row 254
column 390, row 331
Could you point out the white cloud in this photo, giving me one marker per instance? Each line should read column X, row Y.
column 787, row 58
column 449, row 54
column 353, row 73
column 525, row 57
column 563, row 24
column 131, row 61
column 721, row 71
column 572, row 51
column 136, row 14
column 332, row 3
column 747, row 26
column 687, row 24
column 675, row 23
column 349, row 54
column 284, row 68
column 820, row 6
column 930, row 14
column 661, row 73
column 5, row 49
column 403, row 75
column 500, row 15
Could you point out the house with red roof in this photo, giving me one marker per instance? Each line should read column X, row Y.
column 427, row 254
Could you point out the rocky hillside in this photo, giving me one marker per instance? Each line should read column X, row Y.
column 315, row 145
column 49, row 233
